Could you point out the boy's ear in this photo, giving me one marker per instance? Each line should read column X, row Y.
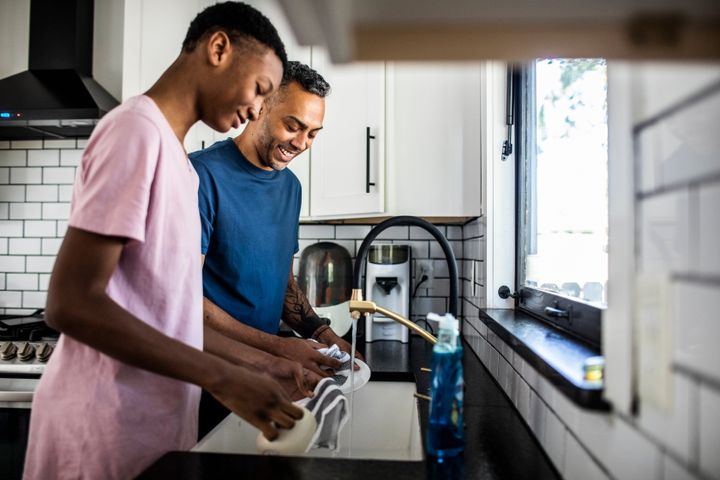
column 218, row 48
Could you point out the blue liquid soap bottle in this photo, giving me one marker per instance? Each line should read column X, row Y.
column 446, row 435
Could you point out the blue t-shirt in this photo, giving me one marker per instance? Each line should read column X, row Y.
column 249, row 220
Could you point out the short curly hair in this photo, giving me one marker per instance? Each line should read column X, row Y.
column 310, row 80
column 240, row 22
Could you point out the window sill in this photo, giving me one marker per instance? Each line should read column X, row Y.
column 555, row 354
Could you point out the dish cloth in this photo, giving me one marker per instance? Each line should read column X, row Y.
column 330, row 409
column 341, row 374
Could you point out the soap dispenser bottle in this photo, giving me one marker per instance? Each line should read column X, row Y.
column 445, row 436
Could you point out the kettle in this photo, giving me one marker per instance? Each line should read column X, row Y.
column 325, row 277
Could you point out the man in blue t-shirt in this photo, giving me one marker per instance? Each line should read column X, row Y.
column 249, row 209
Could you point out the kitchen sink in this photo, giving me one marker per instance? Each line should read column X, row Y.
column 384, row 426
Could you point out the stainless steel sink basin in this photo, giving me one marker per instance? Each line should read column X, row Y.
column 385, row 426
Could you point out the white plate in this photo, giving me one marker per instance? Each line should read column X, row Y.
column 360, row 378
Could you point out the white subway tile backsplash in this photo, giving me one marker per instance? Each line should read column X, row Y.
column 65, row 193
column 4, row 211
column 696, row 327
column 82, row 143
column 440, row 268
column 707, row 260
column 394, row 233
column 13, row 158
column 580, row 465
column 4, row 175
column 619, row 446
column 3, row 246
column 26, row 175
column 51, row 246
column 64, row 175
column 522, row 402
column 43, row 158
column 59, row 143
column 710, row 432
column 688, row 147
column 40, row 228
column 61, row 228
column 10, row 299
column 34, row 299
column 4, row 144
column 43, row 281
column 351, row 231
column 24, row 246
column 25, row 211
column 70, row 158
column 454, row 232
column 665, row 233
column 537, row 413
column 671, row 428
column 39, row 264
column 59, row 211
column 419, row 249
column 554, row 440
column 317, row 231
column 11, row 228
column 26, row 144
column 436, row 250
column 440, row 287
column 42, row 193
column 12, row 193
column 504, row 378
column 474, row 229
column 417, row 233
column 12, row 263
column 22, row 281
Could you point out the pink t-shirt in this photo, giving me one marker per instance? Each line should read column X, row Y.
column 93, row 416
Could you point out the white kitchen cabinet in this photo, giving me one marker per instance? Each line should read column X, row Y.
column 433, row 140
column 347, row 166
column 397, row 140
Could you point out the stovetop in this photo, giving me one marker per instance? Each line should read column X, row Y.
column 26, row 344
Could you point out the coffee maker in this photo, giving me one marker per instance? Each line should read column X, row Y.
column 387, row 283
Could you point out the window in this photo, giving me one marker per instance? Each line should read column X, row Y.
column 562, row 203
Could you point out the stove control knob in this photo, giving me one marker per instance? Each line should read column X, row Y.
column 8, row 351
column 43, row 352
column 26, row 352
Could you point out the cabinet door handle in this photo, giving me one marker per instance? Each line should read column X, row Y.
column 368, row 137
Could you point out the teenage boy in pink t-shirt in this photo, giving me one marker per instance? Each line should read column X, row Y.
column 123, row 384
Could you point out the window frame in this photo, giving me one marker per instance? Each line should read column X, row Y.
column 584, row 320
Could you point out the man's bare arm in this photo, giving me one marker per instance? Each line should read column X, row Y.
column 79, row 307
column 296, row 349
column 296, row 380
column 301, row 317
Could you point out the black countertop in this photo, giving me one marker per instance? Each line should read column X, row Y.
column 498, row 443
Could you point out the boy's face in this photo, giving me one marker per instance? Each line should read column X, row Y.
column 235, row 91
column 288, row 126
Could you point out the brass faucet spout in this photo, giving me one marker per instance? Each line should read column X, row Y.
column 358, row 307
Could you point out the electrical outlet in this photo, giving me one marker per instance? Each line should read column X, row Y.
column 424, row 267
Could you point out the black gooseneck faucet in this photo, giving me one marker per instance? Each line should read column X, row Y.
column 358, row 306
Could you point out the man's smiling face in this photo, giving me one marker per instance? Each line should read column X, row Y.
column 291, row 120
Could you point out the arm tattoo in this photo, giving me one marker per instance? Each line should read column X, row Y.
column 297, row 312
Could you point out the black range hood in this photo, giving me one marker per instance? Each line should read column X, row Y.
column 57, row 97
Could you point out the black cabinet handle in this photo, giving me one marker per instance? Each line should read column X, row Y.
column 368, row 137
